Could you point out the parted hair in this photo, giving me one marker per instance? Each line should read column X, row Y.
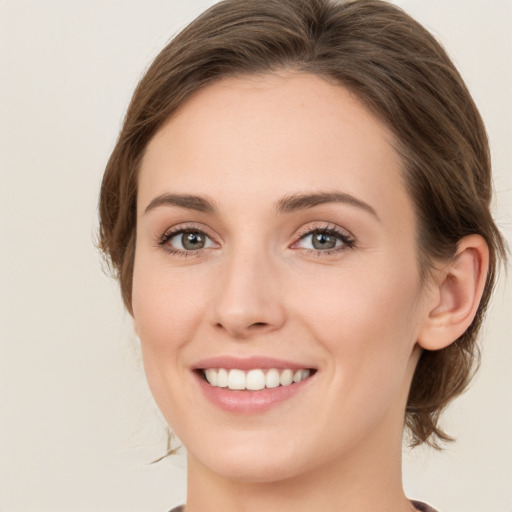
column 401, row 73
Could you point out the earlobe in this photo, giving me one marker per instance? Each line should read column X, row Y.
column 458, row 289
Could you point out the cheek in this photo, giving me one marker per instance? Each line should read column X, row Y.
column 167, row 308
column 360, row 298
column 367, row 320
column 166, row 305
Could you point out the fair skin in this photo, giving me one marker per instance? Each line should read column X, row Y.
column 331, row 286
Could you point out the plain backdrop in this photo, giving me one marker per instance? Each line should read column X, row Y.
column 78, row 428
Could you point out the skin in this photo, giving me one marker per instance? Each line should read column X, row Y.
column 258, row 289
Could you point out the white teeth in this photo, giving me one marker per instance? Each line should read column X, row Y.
column 222, row 378
column 286, row 377
column 211, row 376
column 272, row 378
column 236, row 379
column 255, row 379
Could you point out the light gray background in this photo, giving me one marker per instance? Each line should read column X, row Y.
column 77, row 425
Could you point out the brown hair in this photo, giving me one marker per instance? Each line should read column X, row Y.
column 400, row 72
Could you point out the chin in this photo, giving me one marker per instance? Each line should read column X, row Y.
column 250, row 462
column 254, row 472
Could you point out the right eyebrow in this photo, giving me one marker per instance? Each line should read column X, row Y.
column 190, row 202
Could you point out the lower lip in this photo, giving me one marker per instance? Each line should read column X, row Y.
column 250, row 402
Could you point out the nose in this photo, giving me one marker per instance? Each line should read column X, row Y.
column 248, row 299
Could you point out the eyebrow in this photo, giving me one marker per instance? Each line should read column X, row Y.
column 190, row 202
column 287, row 204
column 296, row 202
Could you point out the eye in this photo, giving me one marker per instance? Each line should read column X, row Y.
column 186, row 240
column 325, row 239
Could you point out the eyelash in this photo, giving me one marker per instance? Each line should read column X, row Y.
column 168, row 235
column 347, row 240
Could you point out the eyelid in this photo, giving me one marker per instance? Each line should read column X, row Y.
column 187, row 226
column 324, row 226
column 347, row 239
column 162, row 240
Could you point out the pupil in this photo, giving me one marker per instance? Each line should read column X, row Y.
column 193, row 241
column 324, row 241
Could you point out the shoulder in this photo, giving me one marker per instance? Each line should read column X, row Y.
column 422, row 507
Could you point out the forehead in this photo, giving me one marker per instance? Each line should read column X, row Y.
column 270, row 135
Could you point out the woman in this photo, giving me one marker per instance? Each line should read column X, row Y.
column 297, row 209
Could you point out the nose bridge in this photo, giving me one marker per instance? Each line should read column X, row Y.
column 248, row 294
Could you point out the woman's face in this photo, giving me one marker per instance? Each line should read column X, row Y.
column 274, row 233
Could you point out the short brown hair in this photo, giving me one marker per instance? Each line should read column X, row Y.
column 401, row 73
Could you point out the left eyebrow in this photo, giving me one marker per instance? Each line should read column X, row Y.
column 296, row 202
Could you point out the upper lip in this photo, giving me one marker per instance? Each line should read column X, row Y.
column 247, row 363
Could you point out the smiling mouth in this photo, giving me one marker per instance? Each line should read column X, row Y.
column 255, row 379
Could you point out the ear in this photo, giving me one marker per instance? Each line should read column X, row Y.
column 456, row 293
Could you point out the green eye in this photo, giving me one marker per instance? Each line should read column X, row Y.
column 191, row 240
column 186, row 241
column 325, row 240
